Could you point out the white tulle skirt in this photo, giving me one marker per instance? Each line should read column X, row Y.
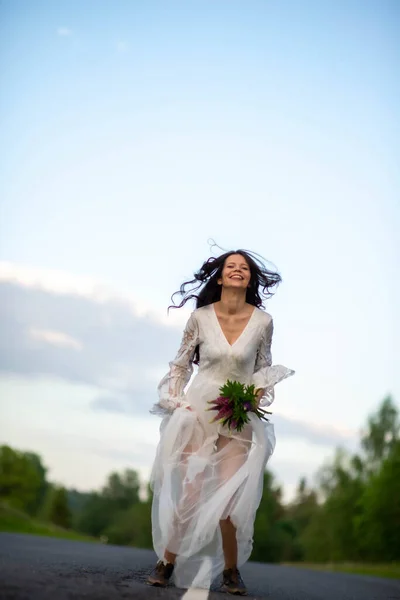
column 201, row 475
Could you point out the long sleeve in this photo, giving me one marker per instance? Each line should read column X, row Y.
column 171, row 387
column 264, row 355
column 265, row 375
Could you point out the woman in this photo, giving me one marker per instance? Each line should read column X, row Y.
column 207, row 480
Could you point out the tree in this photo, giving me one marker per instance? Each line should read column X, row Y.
column 77, row 502
column 103, row 512
column 378, row 526
column 60, row 513
column 300, row 513
column 360, row 516
column 132, row 527
column 332, row 536
column 122, row 491
column 382, row 434
column 270, row 530
column 21, row 480
column 36, row 461
column 95, row 515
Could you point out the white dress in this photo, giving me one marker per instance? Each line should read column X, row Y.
column 202, row 473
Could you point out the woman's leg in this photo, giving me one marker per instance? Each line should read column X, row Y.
column 229, row 543
column 170, row 557
column 187, row 504
column 235, row 456
column 162, row 573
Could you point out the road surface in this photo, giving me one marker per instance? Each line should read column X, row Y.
column 39, row 568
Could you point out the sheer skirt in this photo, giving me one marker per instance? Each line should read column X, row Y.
column 202, row 475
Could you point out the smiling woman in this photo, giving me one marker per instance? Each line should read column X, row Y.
column 207, row 478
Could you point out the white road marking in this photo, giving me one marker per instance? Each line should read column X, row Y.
column 195, row 594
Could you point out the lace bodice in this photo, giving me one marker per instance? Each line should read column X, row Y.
column 247, row 360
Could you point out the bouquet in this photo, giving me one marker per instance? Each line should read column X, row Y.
column 234, row 405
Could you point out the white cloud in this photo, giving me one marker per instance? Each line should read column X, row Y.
column 100, row 292
column 119, row 350
column 64, row 31
column 55, row 338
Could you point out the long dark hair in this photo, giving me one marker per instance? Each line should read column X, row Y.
column 204, row 288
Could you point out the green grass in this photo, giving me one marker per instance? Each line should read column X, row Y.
column 15, row 521
column 388, row 570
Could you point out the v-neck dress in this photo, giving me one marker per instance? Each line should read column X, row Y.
column 202, row 472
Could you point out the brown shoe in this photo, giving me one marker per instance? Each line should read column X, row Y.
column 161, row 574
column 233, row 583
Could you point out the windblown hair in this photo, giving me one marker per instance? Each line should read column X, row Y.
column 205, row 290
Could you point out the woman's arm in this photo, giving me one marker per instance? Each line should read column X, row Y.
column 171, row 387
column 263, row 359
column 266, row 375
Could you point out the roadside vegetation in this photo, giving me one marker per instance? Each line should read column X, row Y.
column 348, row 521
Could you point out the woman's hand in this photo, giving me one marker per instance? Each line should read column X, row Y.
column 259, row 394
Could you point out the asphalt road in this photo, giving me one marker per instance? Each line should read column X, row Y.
column 38, row 568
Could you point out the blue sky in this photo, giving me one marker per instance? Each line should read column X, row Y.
column 132, row 132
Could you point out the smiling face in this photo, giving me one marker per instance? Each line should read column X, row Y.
column 235, row 273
